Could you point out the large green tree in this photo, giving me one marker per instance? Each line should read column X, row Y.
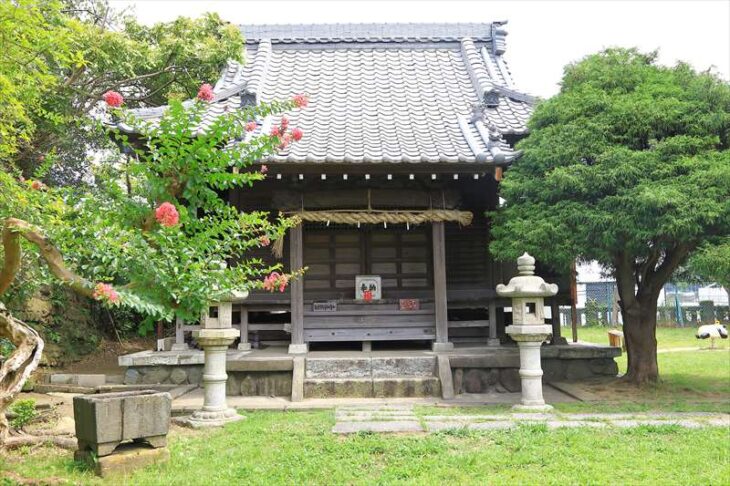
column 628, row 165
column 711, row 263
column 60, row 57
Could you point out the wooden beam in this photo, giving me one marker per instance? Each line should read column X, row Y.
column 493, row 339
column 439, row 288
column 497, row 173
column 296, row 261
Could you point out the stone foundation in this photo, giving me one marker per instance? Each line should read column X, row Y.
column 162, row 374
column 259, row 383
column 246, row 383
column 354, row 374
column 490, row 376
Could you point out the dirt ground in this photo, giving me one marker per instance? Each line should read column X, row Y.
column 104, row 359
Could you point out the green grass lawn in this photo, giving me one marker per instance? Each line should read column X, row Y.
column 298, row 448
column 696, row 380
column 667, row 337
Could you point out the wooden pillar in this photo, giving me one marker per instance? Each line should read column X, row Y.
column 296, row 261
column 439, row 289
column 244, row 345
column 493, row 339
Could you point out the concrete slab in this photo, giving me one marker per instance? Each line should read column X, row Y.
column 437, row 426
column 90, row 380
column 372, row 417
column 380, row 427
column 445, row 376
column 297, row 384
column 492, row 425
column 465, row 418
column 60, row 379
column 639, row 422
column 126, row 459
column 559, row 424
column 532, row 416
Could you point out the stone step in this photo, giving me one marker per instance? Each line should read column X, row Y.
column 370, row 367
column 402, row 386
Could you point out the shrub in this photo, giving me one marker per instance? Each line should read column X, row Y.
column 23, row 413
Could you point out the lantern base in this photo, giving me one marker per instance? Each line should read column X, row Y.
column 203, row 419
column 532, row 408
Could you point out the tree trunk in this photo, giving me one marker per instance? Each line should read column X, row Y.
column 640, row 337
column 18, row 367
column 28, row 344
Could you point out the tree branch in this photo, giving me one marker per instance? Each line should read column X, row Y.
column 672, row 259
column 13, row 229
column 28, row 344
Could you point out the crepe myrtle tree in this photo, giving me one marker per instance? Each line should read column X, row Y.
column 155, row 234
column 628, row 165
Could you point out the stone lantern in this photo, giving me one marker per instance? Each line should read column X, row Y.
column 528, row 328
column 214, row 336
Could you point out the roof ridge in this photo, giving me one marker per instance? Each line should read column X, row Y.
column 381, row 31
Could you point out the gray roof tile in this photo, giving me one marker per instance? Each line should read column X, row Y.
column 380, row 92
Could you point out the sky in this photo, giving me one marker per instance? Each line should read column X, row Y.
column 543, row 37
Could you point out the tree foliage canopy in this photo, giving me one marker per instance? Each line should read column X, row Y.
column 628, row 165
column 59, row 58
column 629, row 160
column 114, row 233
column 711, row 263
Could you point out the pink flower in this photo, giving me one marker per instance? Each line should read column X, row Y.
column 113, row 99
column 251, row 126
column 105, row 293
column 270, row 281
column 205, row 93
column 283, row 282
column 275, row 131
column 297, row 134
column 166, row 214
column 284, row 123
column 36, row 185
column 300, row 100
column 274, row 281
column 264, row 169
column 264, row 240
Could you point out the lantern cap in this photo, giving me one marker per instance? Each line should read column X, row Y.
column 526, row 284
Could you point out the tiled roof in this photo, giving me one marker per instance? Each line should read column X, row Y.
column 438, row 93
